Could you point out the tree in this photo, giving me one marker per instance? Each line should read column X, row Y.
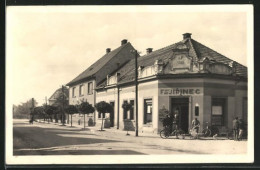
column 50, row 110
column 86, row 108
column 71, row 109
column 23, row 110
column 61, row 102
column 103, row 107
column 127, row 106
column 39, row 111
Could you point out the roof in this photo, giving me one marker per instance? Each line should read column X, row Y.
column 94, row 68
column 197, row 51
column 58, row 91
column 203, row 51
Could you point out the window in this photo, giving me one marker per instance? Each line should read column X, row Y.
column 81, row 90
column 218, row 111
column 73, row 92
column 148, row 110
column 125, row 111
column 90, row 88
column 99, row 115
column 132, row 102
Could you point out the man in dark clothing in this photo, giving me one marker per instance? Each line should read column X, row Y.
column 235, row 128
column 167, row 122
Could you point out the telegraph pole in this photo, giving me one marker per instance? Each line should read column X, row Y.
column 32, row 109
column 63, row 120
column 136, row 95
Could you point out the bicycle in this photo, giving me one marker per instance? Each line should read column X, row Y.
column 166, row 133
column 206, row 131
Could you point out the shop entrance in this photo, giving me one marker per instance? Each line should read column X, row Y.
column 181, row 106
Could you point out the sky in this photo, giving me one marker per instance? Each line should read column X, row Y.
column 48, row 46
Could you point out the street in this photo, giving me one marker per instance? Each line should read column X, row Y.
column 42, row 138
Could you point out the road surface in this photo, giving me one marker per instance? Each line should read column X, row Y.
column 54, row 139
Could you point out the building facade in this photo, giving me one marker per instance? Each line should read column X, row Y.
column 82, row 88
column 186, row 77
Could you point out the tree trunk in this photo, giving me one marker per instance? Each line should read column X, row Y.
column 102, row 122
column 84, row 122
column 71, row 120
column 68, row 121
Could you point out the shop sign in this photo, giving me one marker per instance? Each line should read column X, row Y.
column 180, row 91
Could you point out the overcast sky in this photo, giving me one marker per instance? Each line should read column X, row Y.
column 49, row 46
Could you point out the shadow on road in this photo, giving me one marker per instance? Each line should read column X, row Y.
column 35, row 137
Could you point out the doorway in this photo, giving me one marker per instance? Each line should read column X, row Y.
column 181, row 106
column 112, row 114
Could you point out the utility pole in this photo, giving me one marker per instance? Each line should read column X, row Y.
column 32, row 108
column 63, row 120
column 136, row 95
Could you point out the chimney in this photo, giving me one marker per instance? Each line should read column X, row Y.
column 108, row 50
column 149, row 50
column 186, row 35
column 124, row 41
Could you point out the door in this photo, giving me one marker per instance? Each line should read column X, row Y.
column 112, row 114
column 181, row 107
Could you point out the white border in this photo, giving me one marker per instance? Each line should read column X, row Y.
column 135, row 159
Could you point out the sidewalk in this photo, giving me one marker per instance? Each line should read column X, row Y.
column 97, row 128
column 115, row 131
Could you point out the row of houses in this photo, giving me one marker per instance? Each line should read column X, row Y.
column 187, row 77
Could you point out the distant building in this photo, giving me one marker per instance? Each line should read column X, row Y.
column 82, row 87
column 54, row 97
column 187, row 78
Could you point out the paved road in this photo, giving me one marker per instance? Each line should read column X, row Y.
column 53, row 139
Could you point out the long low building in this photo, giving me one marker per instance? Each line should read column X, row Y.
column 186, row 77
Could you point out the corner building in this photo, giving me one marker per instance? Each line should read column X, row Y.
column 186, row 76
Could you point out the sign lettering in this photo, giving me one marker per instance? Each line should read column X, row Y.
column 180, row 91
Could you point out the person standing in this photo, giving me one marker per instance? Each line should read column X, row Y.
column 235, row 128
column 241, row 129
column 196, row 125
column 167, row 122
column 176, row 122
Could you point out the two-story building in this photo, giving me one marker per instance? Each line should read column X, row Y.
column 186, row 77
column 81, row 88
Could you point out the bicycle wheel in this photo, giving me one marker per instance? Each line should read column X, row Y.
column 178, row 133
column 206, row 132
column 164, row 134
column 181, row 132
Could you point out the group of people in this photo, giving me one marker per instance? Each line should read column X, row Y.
column 172, row 122
column 238, row 129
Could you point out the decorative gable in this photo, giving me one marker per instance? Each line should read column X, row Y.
column 180, row 63
column 220, row 68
